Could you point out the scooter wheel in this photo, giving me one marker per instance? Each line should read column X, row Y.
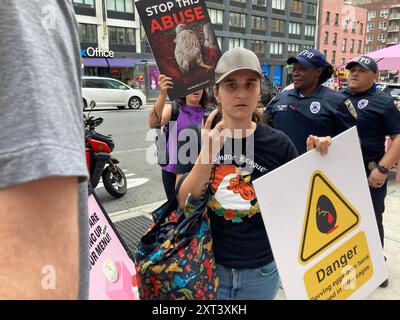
column 114, row 181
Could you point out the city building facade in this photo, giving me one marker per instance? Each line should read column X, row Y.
column 273, row 29
column 341, row 34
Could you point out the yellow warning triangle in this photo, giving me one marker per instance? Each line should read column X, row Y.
column 329, row 217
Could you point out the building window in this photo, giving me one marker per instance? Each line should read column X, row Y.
column 368, row 49
column 277, row 25
column 382, row 25
column 84, row 3
column 293, row 48
column 259, row 2
column 311, row 9
column 259, row 23
column 216, row 16
column 120, row 5
column 361, row 28
column 351, row 45
column 237, row 19
column 336, row 19
column 371, row 14
column 370, row 26
column 326, row 37
column 328, row 17
column 325, row 53
column 384, row 13
column 294, row 28
column 382, row 46
column 236, row 43
column 296, row 6
column 309, row 30
column 258, row 46
column 334, row 42
column 333, row 61
column 369, row 38
column 359, row 46
column 87, row 33
column 353, row 27
column 278, row 4
column 219, row 40
column 276, row 48
column 382, row 37
column 121, row 36
column 344, row 45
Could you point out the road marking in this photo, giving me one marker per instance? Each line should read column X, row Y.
column 130, row 150
column 131, row 183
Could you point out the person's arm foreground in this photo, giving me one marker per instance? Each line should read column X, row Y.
column 39, row 236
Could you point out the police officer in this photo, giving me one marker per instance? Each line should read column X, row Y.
column 378, row 117
column 310, row 113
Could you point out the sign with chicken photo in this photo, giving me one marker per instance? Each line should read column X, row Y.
column 183, row 42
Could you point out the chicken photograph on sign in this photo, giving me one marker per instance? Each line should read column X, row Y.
column 183, row 42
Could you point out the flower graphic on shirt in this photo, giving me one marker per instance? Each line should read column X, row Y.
column 229, row 214
column 233, row 196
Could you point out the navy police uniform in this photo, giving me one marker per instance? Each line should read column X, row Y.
column 322, row 113
column 378, row 116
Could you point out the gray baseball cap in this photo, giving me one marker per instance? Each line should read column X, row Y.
column 234, row 60
column 365, row 62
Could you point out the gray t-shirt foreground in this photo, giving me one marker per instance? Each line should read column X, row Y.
column 40, row 101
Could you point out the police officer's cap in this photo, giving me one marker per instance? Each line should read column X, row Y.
column 309, row 58
column 365, row 62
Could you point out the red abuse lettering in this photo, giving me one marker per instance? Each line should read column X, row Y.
column 169, row 21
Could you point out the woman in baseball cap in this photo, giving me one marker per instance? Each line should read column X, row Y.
column 236, row 151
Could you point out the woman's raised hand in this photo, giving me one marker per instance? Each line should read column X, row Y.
column 164, row 83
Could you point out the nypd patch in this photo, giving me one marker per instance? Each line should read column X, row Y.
column 397, row 104
column 362, row 103
column 350, row 107
column 315, row 106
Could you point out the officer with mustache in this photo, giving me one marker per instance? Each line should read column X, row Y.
column 378, row 117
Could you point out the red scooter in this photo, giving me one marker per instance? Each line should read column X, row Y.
column 100, row 163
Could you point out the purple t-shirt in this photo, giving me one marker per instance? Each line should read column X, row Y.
column 187, row 117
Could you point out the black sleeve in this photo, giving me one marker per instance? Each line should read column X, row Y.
column 291, row 151
column 188, row 149
column 391, row 118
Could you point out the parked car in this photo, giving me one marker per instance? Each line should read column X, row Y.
column 393, row 89
column 110, row 92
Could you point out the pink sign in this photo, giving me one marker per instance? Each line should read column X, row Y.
column 112, row 272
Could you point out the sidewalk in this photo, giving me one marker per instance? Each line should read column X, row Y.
column 391, row 220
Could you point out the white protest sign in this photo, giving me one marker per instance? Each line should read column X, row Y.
column 321, row 224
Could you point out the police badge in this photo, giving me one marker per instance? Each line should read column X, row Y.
column 397, row 104
column 350, row 107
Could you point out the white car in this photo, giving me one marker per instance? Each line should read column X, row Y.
column 110, row 92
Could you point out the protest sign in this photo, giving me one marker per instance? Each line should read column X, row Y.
column 183, row 42
column 320, row 221
column 112, row 272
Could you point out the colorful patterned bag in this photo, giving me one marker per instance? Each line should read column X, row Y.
column 174, row 259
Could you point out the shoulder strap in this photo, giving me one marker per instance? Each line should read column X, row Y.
column 175, row 111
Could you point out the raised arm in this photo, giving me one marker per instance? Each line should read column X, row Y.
column 157, row 115
column 196, row 182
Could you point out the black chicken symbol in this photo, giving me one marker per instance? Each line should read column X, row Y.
column 326, row 215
